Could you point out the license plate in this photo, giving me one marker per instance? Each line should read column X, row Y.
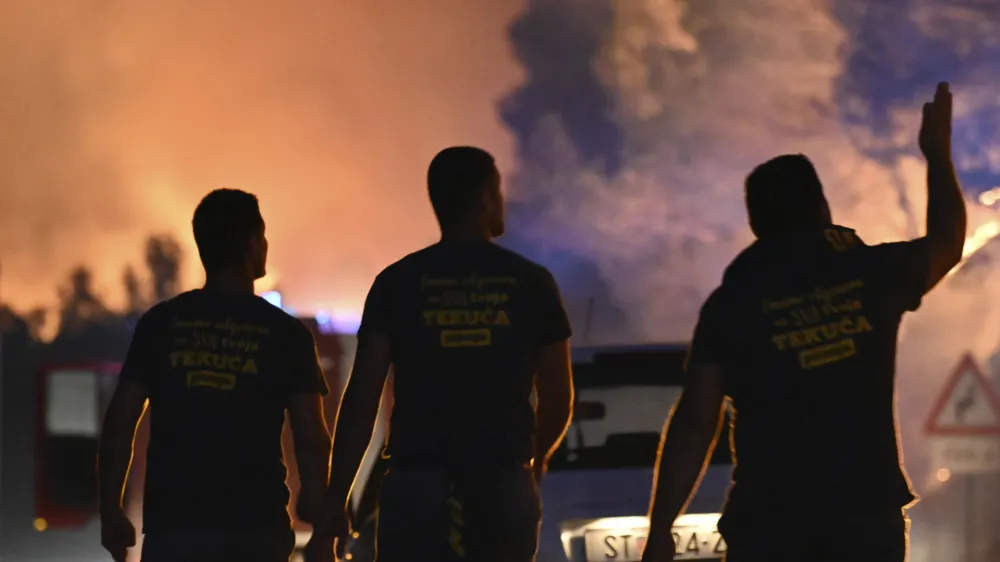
column 626, row 545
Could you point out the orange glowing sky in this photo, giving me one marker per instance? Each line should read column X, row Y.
column 118, row 116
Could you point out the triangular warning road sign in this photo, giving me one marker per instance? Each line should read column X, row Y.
column 968, row 404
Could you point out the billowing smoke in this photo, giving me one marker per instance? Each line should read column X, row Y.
column 701, row 93
column 116, row 117
column 691, row 95
column 626, row 129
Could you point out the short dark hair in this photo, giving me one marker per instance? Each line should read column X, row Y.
column 456, row 179
column 785, row 194
column 224, row 223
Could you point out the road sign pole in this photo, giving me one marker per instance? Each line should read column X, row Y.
column 964, row 434
column 968, row 518
column 2, row 507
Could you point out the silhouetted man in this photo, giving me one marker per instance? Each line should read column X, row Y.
column 219, row 366
column 470, row 329
column 801, row 337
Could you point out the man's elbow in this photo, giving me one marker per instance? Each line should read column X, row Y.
column 696, row 422
column 954, row 258
column 120, row 425
column 313, row 458
column 694, row 428
column 562, row 416
column 116, row 444
column 312, row 442
column 312, row 447
column 953, row 247
column 558, row 409
column 947, row 239
column 945, row 254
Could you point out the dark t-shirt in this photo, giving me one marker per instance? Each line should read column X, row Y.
column 220, row 369
column 805, row 329
column 464, row 322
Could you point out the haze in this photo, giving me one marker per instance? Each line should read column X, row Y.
column 627, row 130
column 118, row 116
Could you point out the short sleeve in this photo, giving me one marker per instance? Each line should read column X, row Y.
column 903, row 268
column 376, row 316
column 145, row 354
column 552, row 322
column 306, row 375
column 708, row 345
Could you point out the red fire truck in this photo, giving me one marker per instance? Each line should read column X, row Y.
column 58, row 521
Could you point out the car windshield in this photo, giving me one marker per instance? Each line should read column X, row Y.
column 623, row 399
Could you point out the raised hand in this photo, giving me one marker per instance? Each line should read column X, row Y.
column 935, row 127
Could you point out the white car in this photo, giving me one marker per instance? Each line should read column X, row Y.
column 596, row 493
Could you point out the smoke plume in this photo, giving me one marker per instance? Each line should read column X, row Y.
column 700, row 92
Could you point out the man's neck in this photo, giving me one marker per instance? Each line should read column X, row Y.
column 229, row 282
column 465, row 235
column 799, row 233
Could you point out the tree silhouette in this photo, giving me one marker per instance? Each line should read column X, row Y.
column 163, row 258
column 20, row 350
column 88, row 329
column 135, row 300
column 35, row 320
column 78, row 304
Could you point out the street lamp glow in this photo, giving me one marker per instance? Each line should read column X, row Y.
column 943, row 475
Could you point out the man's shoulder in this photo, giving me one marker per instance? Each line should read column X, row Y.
column 519, row 265
column 426, row 259
column 187, row 299
column 720, row 297
column 732, row 304
column 889, row 259
column 915, row 245
column 520, row 260
column 401, row 268
column 430, row 256
column 164, row 310
column 279, row 320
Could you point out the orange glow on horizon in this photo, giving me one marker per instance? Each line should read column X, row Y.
column 128, row 116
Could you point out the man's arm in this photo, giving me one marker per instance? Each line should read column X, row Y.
column 115, row 456
column 124, row 412
column 688, row 437
column 554, row 393
column 356, row 418
column 694, row 425
column 359, row 406
column 553, row 370
column 312, row 452
column 310, row 435
column 946, row 214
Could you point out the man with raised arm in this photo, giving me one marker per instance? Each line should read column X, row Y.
column 801, row 339
column 470, row 330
